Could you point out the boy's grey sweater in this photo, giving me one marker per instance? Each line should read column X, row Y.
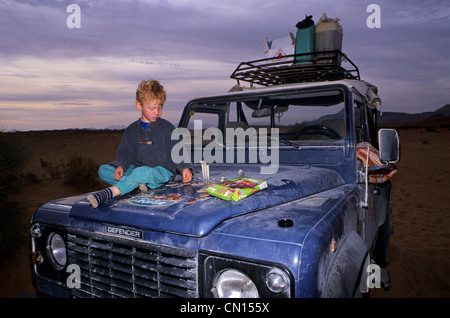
column 151, row 147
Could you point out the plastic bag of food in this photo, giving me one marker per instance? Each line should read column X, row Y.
column 236, row 189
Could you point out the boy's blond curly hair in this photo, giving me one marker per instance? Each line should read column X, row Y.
column 151, row 89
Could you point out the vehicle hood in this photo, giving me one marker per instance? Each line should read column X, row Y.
column 184, row 214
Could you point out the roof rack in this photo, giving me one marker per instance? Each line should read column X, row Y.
column 297, row 68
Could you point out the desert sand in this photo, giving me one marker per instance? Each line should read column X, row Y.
column 419, row 263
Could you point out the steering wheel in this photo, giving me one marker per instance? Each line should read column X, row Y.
column 318, row 130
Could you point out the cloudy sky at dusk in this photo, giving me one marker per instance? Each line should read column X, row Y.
column 56, row 77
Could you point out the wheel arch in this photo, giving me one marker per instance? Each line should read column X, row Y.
column 345, row 270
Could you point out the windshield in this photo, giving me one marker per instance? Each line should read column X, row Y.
column 295, row 127
column 310, row 117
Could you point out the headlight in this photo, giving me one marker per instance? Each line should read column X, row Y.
column 277, row 280
column 227, row 277
column 56, row 250
column 232, row 283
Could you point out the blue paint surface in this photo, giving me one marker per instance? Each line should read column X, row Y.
column 199, row 218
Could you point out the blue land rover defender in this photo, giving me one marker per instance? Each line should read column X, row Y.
column 319, row 229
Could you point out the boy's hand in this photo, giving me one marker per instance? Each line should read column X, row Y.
column 187, row 175
column 118, row 174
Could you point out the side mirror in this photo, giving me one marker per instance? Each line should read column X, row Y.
column 389, row 145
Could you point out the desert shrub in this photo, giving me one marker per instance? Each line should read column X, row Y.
column 13, row 156
column 53, row 171
column 80, row 171
column 30, row 178
column 11, row 226
column 77, row 171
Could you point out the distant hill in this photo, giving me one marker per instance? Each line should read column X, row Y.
column 440, row 114
column 116, row 127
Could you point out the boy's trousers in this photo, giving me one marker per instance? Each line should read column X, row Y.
column 133, row 177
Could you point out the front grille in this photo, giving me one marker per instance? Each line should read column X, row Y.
column 119, row 267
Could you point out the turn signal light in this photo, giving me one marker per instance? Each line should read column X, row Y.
column 37, row 258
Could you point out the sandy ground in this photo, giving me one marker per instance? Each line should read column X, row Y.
column 419, row 256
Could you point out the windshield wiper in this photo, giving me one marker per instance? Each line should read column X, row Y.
column 287, row 142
